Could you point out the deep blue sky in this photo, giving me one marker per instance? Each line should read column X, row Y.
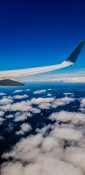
column 40, row 32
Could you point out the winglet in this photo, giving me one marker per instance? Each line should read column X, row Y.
column 72, row 58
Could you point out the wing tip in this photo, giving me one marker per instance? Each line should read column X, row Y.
column 73, row 57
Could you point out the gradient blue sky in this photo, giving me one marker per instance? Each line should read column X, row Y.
column 40, row 32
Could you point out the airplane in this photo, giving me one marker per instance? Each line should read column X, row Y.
column 7, row 77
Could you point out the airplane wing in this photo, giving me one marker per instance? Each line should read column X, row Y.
column 6, row 77
column 8, row 82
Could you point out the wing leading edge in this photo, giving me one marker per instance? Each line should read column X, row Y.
column 8, row 76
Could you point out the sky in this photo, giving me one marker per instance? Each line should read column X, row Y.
column 40, row 32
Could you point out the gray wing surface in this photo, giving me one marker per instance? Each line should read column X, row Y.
column 7, row 82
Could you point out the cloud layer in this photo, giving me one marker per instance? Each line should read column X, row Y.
column 70, row 77
column 58, row 144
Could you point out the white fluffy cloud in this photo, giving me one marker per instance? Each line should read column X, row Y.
column 83, row 102
column 41, row 100
column 50, row 166
column 8, row 104
column 20, row 90
column 82, row 105
column 62, row 101
column 6, row 100
column 40, row 91
column 69, row 93
column 48, row 155
column 20, row 96
column 25, row 127
column 49, row 95
column 43, row 155
column 67, row 133
column 1, row 113
column 65, row 116
column 17, row 91
column 1, row 117
column 76, row 156
column 20, row 106
column 46, row 103
column 22, row 116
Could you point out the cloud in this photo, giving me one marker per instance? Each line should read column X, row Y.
column 76, row 156
column 41, row 100
column 1, row 113
column 1, row 117
column 65, row 80
column 55, row 148
column 49, row 95
column 46, row 103
column 7, row 103
column 56, row 166
column 9, row 116
column 2, row 93
column 25, row 127
column 65, row 116
column 40, row 91
column 82, row 105
column 67, row 133
column 6, row 100
column 44, row 130
column 62, row 101
column 71, row 77
column 40, row 154
column 49, row 89
column 18, row 91
column 20, row 106
column 73, row 80
column 49, row 152
column 20, row 96
column 69, row 94
column 21, row 90
column 22, row 116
